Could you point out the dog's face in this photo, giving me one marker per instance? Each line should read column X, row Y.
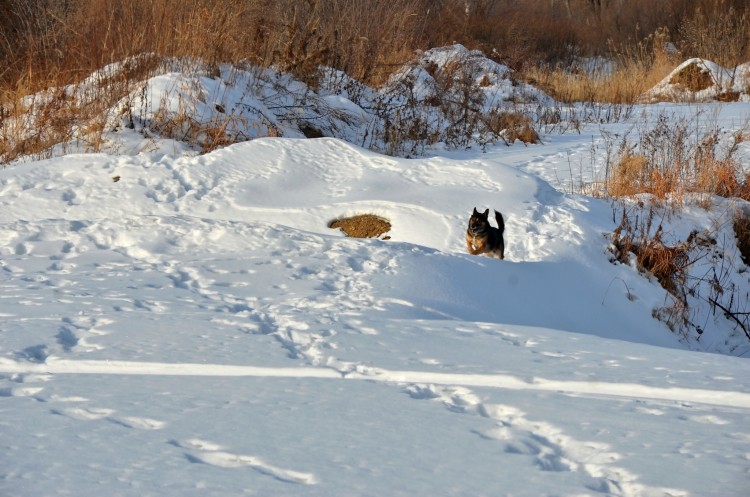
column 478, row 222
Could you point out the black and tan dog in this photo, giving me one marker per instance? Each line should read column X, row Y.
column 483, row 238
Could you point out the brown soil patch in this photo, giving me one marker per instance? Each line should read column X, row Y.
column 692, row 78
column 362, row 226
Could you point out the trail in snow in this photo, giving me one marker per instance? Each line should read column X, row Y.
column 592, row 388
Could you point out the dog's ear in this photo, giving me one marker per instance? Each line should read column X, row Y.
column 475, row 213
column 486, row 214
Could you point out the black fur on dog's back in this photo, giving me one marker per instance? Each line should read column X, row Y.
column 482, row 237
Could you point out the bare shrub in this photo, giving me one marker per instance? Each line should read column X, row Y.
column 696, row 273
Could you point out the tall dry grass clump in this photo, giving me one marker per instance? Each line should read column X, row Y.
column 48, row 43
column 718, row 31
column 635, row 236
column 623, row 75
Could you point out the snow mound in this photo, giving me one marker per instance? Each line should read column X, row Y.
column 444, row 100
column 442, row 73
column 700, row 80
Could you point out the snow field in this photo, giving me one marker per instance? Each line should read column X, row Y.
column 195, row 329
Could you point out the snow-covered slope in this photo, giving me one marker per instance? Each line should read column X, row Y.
column 195, row 328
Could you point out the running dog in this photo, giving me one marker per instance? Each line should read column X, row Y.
column 482, row 238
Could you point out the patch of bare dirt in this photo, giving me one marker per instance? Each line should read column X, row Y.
column 362, row 226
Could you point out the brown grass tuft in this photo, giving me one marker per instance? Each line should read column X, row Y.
column 362, row 226
column 692, row 78
column 631, row 175
column 511, row 126
column 668, row 264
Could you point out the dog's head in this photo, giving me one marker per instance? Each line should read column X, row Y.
column 478, row 222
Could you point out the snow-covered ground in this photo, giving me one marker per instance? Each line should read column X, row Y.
column 195, row 329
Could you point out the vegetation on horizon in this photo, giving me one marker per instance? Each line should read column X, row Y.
column 47, row 43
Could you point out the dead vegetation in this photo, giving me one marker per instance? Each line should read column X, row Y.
column 675, row 159
column 692, row 78
column 672, row 162
column 362, row 226
column 668, row 264
column 511, row 126
column 47, row 44
column 639, row 241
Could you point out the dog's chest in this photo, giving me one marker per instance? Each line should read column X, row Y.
column 477, row 243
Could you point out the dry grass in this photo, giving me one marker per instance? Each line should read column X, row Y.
column 49, row 44
column 692, row 78
column 635, row 68
column 635, row 241
column 511, row 126
column 631, row 175
column 362, row 226
column 674, row 159
column 46, row 43
column 668, row 264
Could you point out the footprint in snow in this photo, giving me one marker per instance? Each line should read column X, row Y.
column 95, row 413
column 20, row 391
column 204, row 452
column 138, row 423
column 84, row 413
column 547, row 446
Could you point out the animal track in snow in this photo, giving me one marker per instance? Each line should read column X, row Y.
column 138, row 422
column 84, row 413
column 20, row 391
column 98, row 413
column 548, row 446
column 201, row 451
column 75, row 332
